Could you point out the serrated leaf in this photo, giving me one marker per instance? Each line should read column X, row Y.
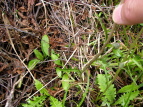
column 33, row 63
column 39, row 55
column 39, row 85
column 102, row 81
column 55, row 102
column 45, row 45
column 37, row 101
column 105, row 102
column 59, row 72
column 126, row 98
column 128, row 88
column 110, row 93
column 65, row 82
column 55, row 57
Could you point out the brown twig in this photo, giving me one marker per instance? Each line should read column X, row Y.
column 11, row 42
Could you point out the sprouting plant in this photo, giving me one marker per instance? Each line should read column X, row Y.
column 39, row 86
column 55, row 103
column 62, row 73
column 108, row 90
column 118, row 58
column 127, row 93
column 45, row 45
column 40, row 56
column 37, row 101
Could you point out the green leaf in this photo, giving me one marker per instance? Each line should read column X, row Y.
column 39, row 85
column 37, row 101
column 110, row 93
column 59, row 72
column 141, row 24
column 38, row 55
column 55, row 102
column 117, row 52
column 45, row 45
column 126, row 98
column 74, row 59
column 128, row 88
column 33, row 63
column 68, row 70
column 137, row 62
column 65, row 82
column 56, row 58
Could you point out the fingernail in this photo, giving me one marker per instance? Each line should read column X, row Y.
column 117, row 15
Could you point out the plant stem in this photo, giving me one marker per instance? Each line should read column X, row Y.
column 86, row 90
column 95, row 57
column 121, row 66
column 64, row 99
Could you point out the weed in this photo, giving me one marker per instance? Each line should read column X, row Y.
column 113, row 62
column 37, row 101
column 129, row 92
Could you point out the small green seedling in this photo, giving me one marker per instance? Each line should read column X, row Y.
column 62, row 73
column 37, row 101
column 40, row 56
column 45, row 47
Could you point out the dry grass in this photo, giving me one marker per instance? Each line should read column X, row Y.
column 77, row 31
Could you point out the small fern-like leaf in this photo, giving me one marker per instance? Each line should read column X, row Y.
column 128, row 88
column 37, row 101
column 110, row 93
column 55, row 102
column 39, row 85
column 126, row 98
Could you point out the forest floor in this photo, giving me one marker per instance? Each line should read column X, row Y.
column 77, row 30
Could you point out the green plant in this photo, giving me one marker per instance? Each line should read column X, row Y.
column 37, row 101
column 108, row 91
column 62, row 73
column 45, row 47
column 55, row 103
column 118, row 58
column 100, row 64
column 127, row 93
column 40, row 56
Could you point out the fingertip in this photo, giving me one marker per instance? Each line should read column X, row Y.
column 117, row 15
column 128, row 13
